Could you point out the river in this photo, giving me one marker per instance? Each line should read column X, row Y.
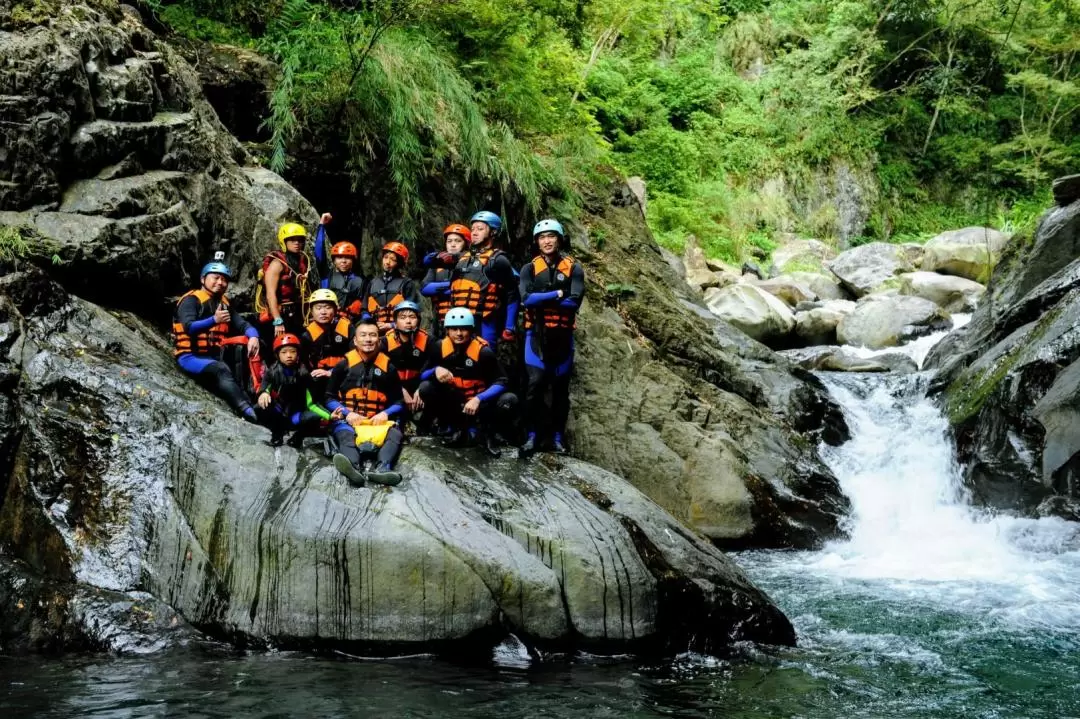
column 930, row 608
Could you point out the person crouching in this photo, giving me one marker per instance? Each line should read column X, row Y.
column 468, row 385
column 364, row 395
column 285, row 402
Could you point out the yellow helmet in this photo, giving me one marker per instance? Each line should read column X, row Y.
column 323, row 296
column 290, row 229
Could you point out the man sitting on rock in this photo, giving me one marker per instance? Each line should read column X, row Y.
column 467, row 388
column 201, row 322
column 326, row 339
column 364, row 394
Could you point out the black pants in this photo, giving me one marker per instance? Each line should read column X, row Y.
column 386, row 455
column 279, row 422
column 536, row 409
column 218, row 378
column 447, row 403
column 292, row 318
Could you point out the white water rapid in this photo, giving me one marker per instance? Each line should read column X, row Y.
column 912, row 530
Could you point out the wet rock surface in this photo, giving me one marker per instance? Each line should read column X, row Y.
column 129, row 480
column 1009, row 379
column 882, row 321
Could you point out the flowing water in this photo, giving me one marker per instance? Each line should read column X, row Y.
column 929, row 609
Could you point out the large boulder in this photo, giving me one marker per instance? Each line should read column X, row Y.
column 129, row 478
column 1009, row 378
column 787, row 289
column 971, row 252
column 753, row 310
column 864, row 269
column 844, row 359
column 817, row 326
column 118, row 167
column 950, row 293
column 890, row 321
column 825, row 286
column 796, row 254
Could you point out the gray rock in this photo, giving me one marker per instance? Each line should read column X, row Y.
column 796, row 254
column 818, row 326
column 1058, row 506
column 754, row 311
column 824, row 286
column 842, row 359
column 1058, row 411
column 864, row 269
column 950, row 293
column 787, row 289
column 637, row 186
column 890, row 321
column 971, row 252
column 693, row 256
column 169, row 494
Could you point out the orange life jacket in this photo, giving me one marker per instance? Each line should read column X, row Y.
column 327, row 348
column 202, row 343
column 441, row 303
column 470, row 286
column 549, row 279
column 410, row 365
column 467, row 378
column 361, row 392
column 382, row 295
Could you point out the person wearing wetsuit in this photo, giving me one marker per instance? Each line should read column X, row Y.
column 391, row 287
column 467, row 387
column 326, row 339
column 411, row 351
column 364, row 389
column 283, row 279
column 201, row 321
column 336, row 270
column 484, row 282
column 552, row 288
column 436, row 285
column 285, row 402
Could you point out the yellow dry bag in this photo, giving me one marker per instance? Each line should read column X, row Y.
column 374, row 434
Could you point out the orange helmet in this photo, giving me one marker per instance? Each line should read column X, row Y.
column 398, row 249
column 459, row 230
column 286, row 340
column 343, row 249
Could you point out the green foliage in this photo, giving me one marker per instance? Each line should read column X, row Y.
column 13, row 245
column 736, row 113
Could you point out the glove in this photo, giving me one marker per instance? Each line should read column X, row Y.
column 509, row 335
column 569, row 303
column 447, row 259
column 429, row 259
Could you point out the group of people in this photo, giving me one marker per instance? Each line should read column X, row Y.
column 350, row 356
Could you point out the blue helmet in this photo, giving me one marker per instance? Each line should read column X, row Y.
column 549, row 226
column 489, row 218
column 219, row 268
column 406, row 305
column 459, row 317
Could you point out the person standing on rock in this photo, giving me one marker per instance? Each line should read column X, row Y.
column 385, row 291
column 552, row 288
column 283, row 278
column 437, row 280
column 484, row 282
column 364, row 396
column 410, row 350
column 467, row 386
column 326, row 338
column 336, row 269
column 285, row 402
column 201, row 321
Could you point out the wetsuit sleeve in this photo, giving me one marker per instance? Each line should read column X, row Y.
column 505, row 276
column 322, row 254
column 314, row 407
column 333, row 387
column 187, row 315
column 493, row 373
column 433, row 287
column 577, row 288
column 238, row 325
column 393, row 393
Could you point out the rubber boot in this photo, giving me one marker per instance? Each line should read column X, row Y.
column 354, row 475
column 455, row 439
column 383, row 474
column 527, row 449
column 276, row 438
column 557, row 446
column 488, row 445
